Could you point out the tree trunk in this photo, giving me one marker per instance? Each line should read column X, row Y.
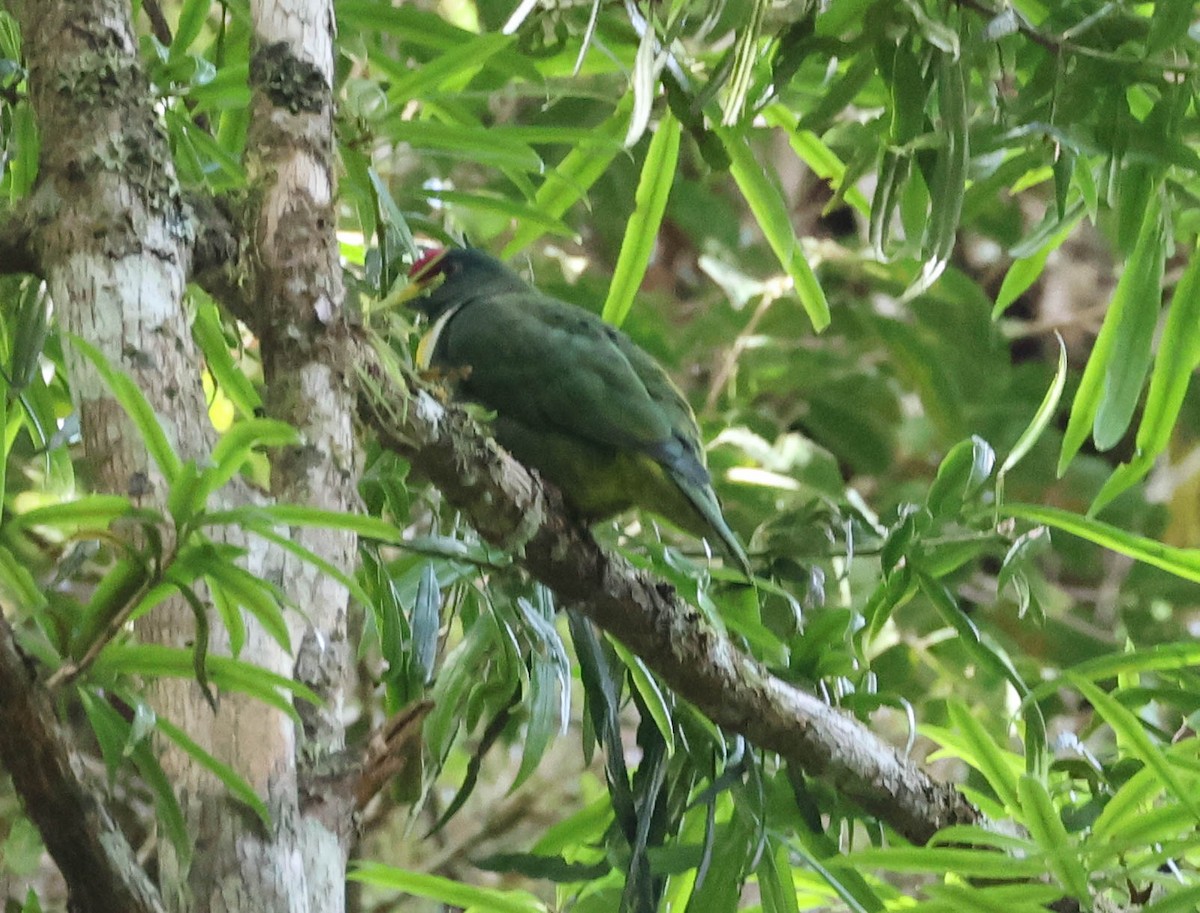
column 114, row 238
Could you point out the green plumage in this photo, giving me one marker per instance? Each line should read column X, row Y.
column 574, row 397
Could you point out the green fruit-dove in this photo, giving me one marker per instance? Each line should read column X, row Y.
column 574, row 397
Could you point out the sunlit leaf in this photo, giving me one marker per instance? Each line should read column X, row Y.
column 1109, row 388
column 445, row 890
column 767, row 205
column 641, row 234
column 134, row 402
column 1183, row 562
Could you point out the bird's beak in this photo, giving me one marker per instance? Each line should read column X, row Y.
column 425, row 267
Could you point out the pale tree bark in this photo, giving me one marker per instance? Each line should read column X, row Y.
column 297, row 284
column 111, row 235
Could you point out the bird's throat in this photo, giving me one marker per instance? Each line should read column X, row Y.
column 428, row 344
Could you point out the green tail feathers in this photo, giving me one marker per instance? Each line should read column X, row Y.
column 705, row 503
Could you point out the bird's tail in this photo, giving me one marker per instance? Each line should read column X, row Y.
column 705, row 503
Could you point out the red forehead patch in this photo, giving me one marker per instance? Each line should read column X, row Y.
column 426, row 262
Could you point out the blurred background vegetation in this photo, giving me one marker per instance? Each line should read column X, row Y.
column 926, row 270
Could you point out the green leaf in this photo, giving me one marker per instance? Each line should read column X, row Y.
column 988, row 758
column 573, row 177
column 940, row 861
column 1182, row 562
column 23, row 167
column 1126, row 369
column 1130, row 803
column 1184, row 900
column 464, row 143
column 121, row 740
column 647, row 686
column 1046, row 828
column 302, row 515
column 187, row 494
column 237, row 785
column 811, row 150
column 775, row 883
column 110, row 728
column 1108, row 390
column 1178, row 357
column 949, row 183
column 544, row 868
column 209, row 334
column 770, row 211
column 541, row 705
column 138, row 409
column 987, row 653
column 239, row 441
column 1041, row 419
column 961, row 473
column 520, row 213
column 191, row 20
column 19, row 589
column 89, row 511
column 936, row 32
column 1169, row 24
column 1158, row 658
column 641, row 232
column 261, row 599
column 426, row 620
column 289, row 544
column 445, row 890
column 229, row 674
column 1132, row 735
column 451, row 70
column 1025, row 271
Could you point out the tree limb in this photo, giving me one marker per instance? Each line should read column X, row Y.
column 16, row 248
column 99, row 866
column 218, row 266
column 511, row 508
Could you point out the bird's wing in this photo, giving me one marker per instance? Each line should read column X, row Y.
column 551, row 365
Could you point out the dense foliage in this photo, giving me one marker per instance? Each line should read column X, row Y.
column 926, row 271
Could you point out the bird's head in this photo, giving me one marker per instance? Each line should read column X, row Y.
column 454, row 275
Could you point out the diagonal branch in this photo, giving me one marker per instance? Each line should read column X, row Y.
column 100, row 868
column 511, row 508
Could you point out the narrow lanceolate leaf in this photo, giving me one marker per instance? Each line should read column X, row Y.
column 769, row 210
column 446, row 890
column 191, row 21
column 135, row 404
column 237, row 785
column 1108, row 390
column 1132, row 735
column 236, row 445
column 813, row 151
column 656, row 702
column 654, row 186
column 1026, row 270
column 1041, row 419
column 949, row 185
column 1045, row 826
column 90, row 511
column 233, row 382
column 574, row 176
column 1178, row 356
column 1182, row 562
column 462, row 142
column 303, row 515
column 1126, row 370
column 988, row 757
